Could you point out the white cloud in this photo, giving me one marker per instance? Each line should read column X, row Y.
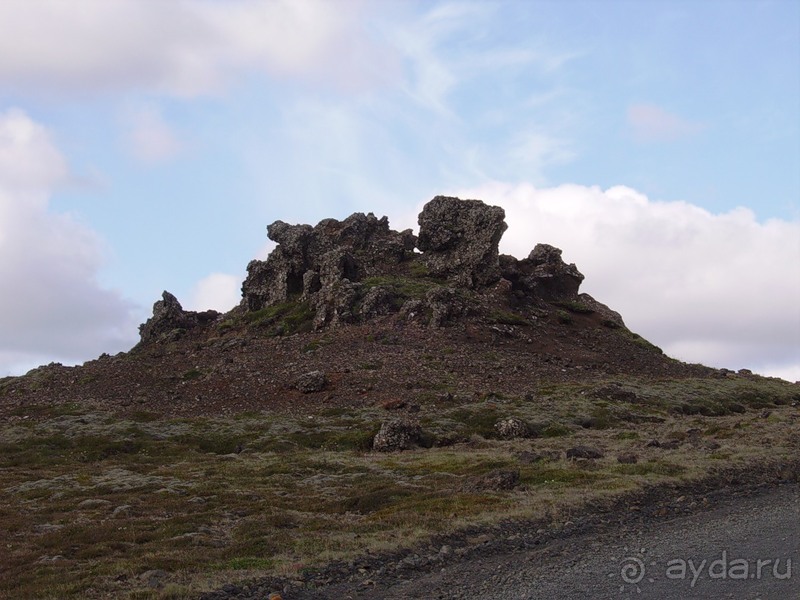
column 28, row 160
column 149, row 138
column 720, row 289
column 445, row 50
column 651, row 123
column 185, row 47
column 52, row 307
column 533, row 152
column 217, row 291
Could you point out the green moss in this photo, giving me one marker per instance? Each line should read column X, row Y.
column 650, row 468
column 601, row 417
column 556, row 430
column 283, row 319
column 374, row 365
column 574, row 306
column 564, row 317
column 246, row 562
column 227, row 324
column 504, row 317
column 640, row 341
column 402, row 288
column 557, row 477
column 192, row 374
column 210, row 442
column 477, row 421
column 370, row 498
column 143, row 416
column 351, row 439
column 418, row 269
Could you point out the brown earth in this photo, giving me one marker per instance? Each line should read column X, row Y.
column 228, row 370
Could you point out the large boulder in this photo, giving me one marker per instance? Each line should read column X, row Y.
column 169, row 316
column 459, row 240
column 611, row 318
column 313, row 381
column 396, row 435
column 543, row 274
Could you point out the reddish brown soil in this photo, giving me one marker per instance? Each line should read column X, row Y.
column 219, row 371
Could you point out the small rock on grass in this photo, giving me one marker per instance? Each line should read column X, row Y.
column 494, row 481
column 512, row 428
column 584, row 452
column 396, row 435
column 154, row 578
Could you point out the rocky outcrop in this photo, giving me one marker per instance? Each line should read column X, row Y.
column 169, row 317
column 309, row 260
column 358, row 269
column 459, row 240
column 611, row 318
column 543, row 274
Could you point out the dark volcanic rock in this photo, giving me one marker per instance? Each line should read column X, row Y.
column 543, row 274
column 611, row 318
column 584, row 452
column 498, row 480
column 459, row 239
column 444, row 305
column 313, row 381
column 169, row 316
column 309, row 259
column 358, row 269
column 395, row 435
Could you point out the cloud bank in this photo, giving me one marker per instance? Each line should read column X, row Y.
column 51, row 307
column 183, row 48
column 218, row 291
column 720, row 289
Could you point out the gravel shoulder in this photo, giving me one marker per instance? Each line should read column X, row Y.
column 700, row 542
column 746, row 547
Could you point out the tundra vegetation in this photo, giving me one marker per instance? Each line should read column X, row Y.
column 374, row 391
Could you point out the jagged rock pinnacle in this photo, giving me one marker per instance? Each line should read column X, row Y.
column 359, row 268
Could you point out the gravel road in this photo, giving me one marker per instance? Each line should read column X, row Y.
column 736, row 543
column 646, row 561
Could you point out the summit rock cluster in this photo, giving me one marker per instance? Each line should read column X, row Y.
column 359, row 268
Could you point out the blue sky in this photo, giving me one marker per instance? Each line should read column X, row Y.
column 146, row 145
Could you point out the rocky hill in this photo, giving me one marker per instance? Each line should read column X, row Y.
column 380, row 405
column 377, row 311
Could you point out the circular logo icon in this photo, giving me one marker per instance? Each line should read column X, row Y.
column 632, row 570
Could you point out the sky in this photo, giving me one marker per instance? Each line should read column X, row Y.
column 146, row 145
